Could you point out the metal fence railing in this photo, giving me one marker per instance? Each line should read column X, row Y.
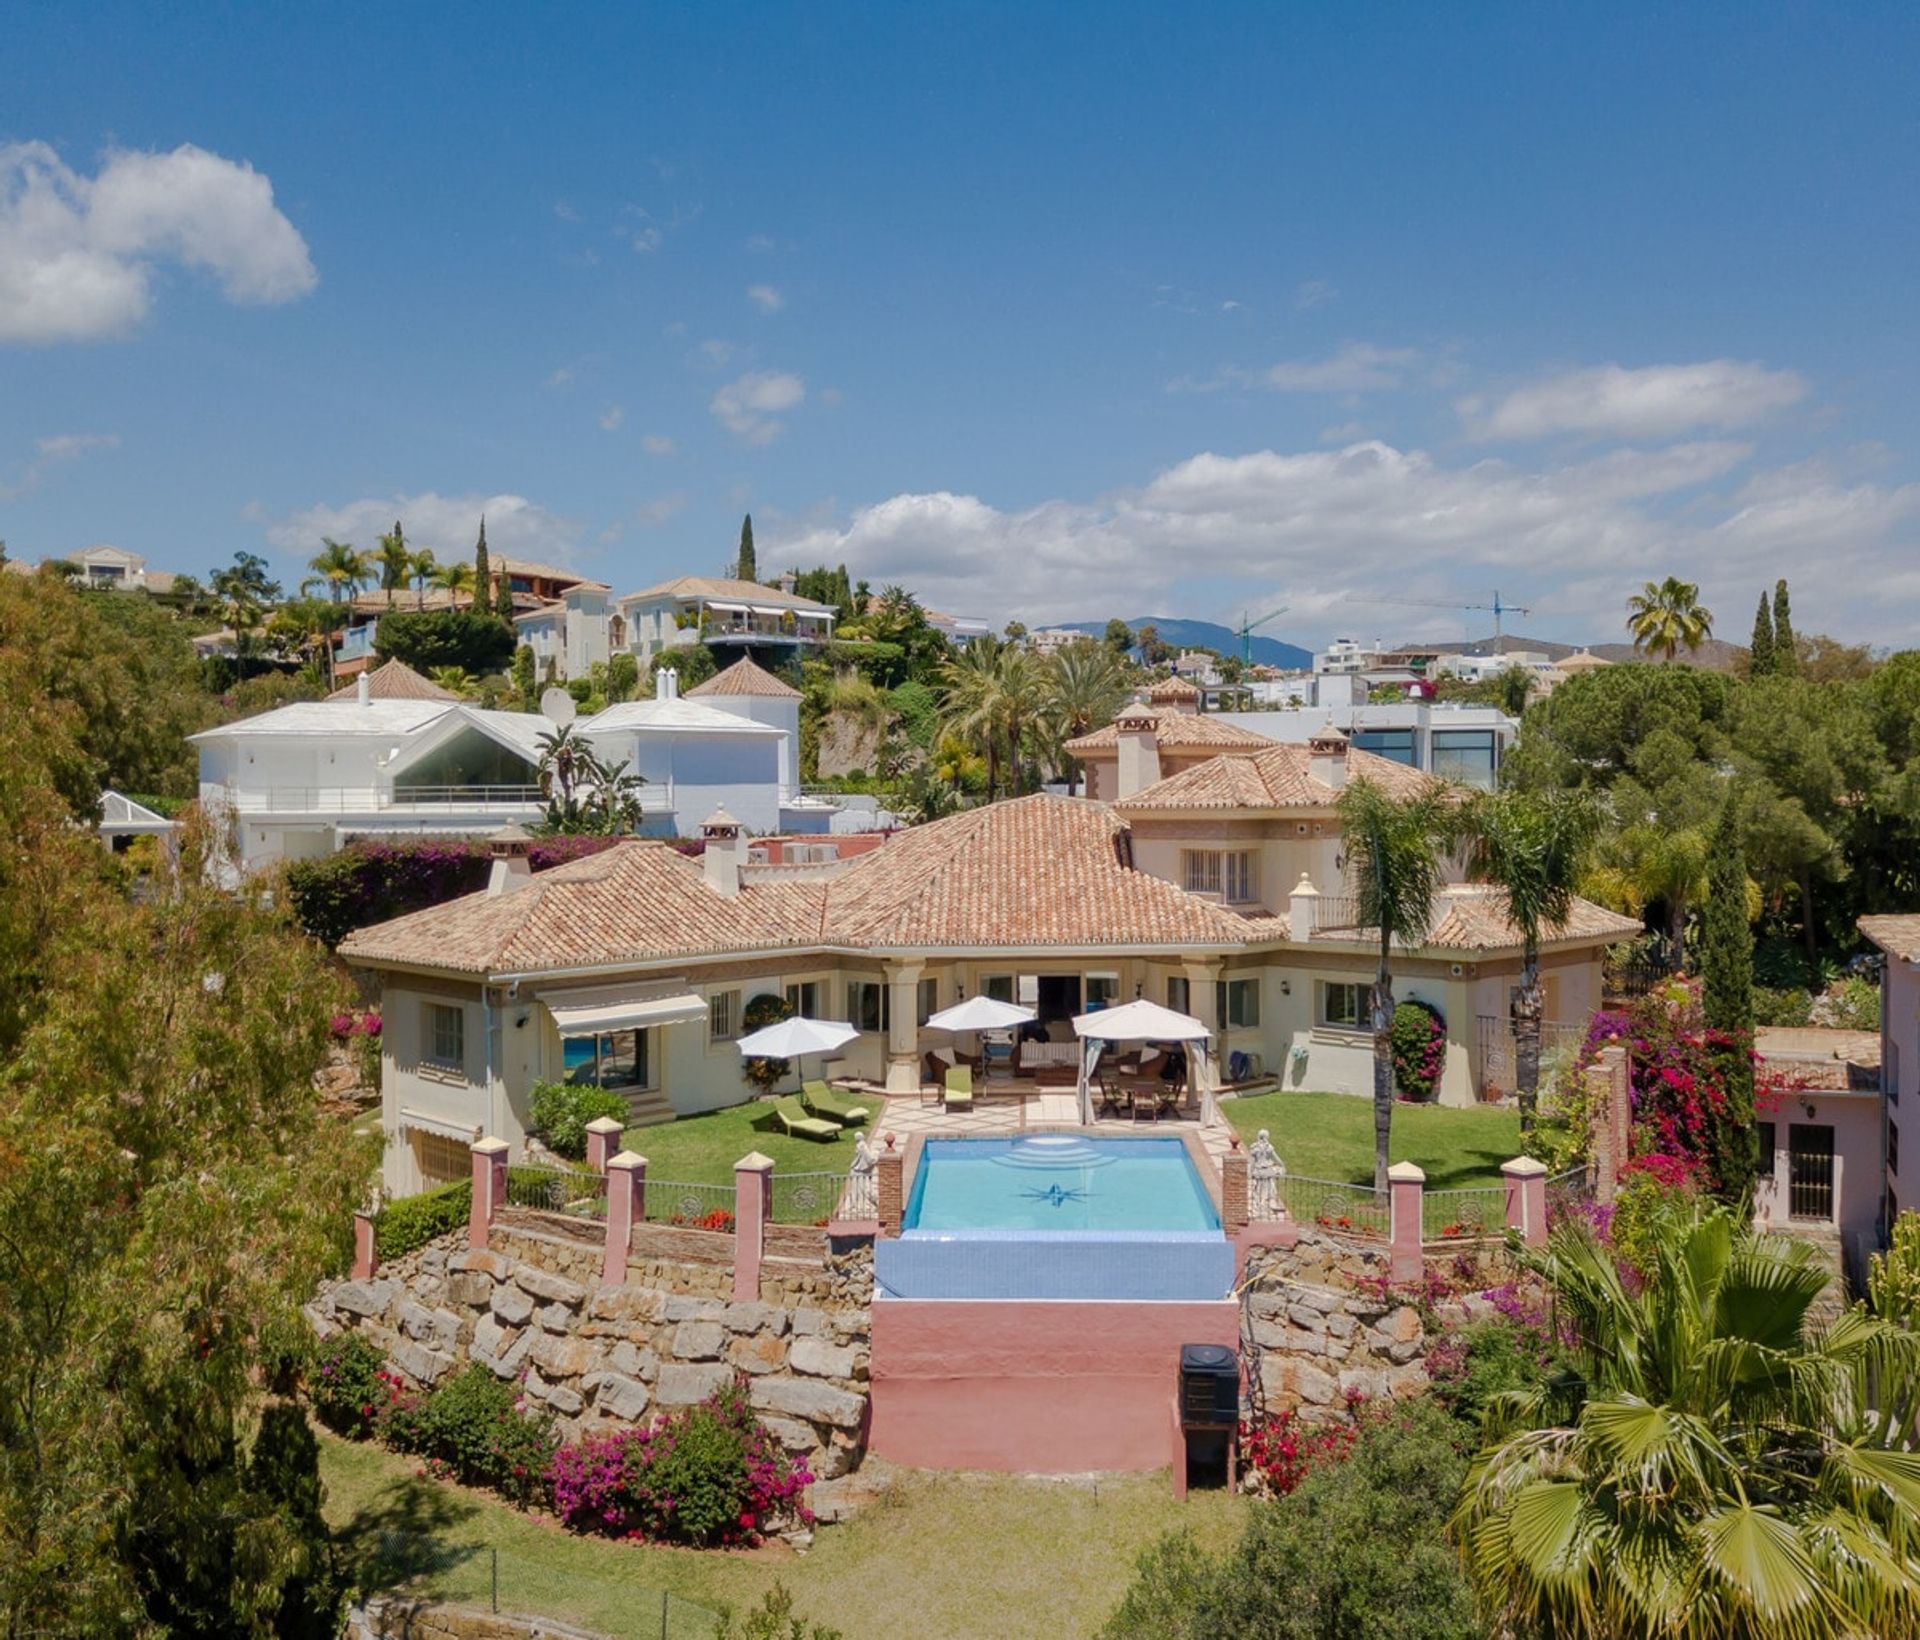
column 1463, row 1215
column 689, row 1205
column 1499, row 1062
column 807, row 1198
column 578, row 1191
column 1346, row 1209
column 1570, row 1194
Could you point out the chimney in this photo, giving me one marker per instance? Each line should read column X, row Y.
column 726, row 850
column 1327, row 758
column 788, row 581
column 1303, row 909
column 510, row 850
column 666, row 684
column 362, row 688
column 1139, row 752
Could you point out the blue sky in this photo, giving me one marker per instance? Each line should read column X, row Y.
column 1047, row 312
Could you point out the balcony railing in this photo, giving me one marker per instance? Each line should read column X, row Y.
column 654, row 799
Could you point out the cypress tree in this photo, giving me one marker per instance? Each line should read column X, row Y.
column 1786, row 663
column 1761, row 665
column 482, row 573
column 747, row 567
column 1726, row 971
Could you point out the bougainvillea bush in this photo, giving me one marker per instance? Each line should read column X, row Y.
column 1419, row 1050
column 473, row 1428
column 368, row 882
column 709, row 1474
column 345, row 1387
column 1516, row 1347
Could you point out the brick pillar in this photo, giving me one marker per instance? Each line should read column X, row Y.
column 366, row 1256
column 752, row 1207
column 1526, row 1178
column 1233, row 1192
column 489, row 1188
column 889, row 1193
column 603, row 1139
column 1405, row 1183
column 626, row 1207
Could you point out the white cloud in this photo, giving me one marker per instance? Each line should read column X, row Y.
column 1358, row 367
column 565, row 212
column 1345, row 432
column 658, row 444
column 766, row 298
column 1312, row 528
column 78, row 254
column 750, row 404
column 759, row 243
column 1657, row 401
column 52, row 452
column 649, row 515
column 561, row 377
column 1314, row 293
column 611, row 418
column 517, row 527
column 719, row 350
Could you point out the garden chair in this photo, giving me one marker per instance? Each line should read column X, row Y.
column 1113, row 1100
column 833, row 1107
column 797, row 1124
column 959, row 1088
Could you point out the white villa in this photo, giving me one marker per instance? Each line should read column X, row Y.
column 392, row 754
column 721, row 613
column 1216, row 890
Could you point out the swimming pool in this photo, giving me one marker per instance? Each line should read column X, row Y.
column 1058, row 1182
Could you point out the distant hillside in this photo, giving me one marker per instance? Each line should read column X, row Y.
column 1715, row 655
column 1209, row 635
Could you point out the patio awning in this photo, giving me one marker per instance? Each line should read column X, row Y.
column 736, row 609
column 445, row 1126
column 593, row 1009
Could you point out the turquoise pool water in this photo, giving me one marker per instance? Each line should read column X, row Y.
column 1058, row 1182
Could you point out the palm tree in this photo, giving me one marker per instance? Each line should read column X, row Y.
column 454, row 579
column 1532, row 847
column 1086, row 685
column 337, row 567
column 395, row 560
column 1646, row 862
column 1023, row 700
column 1714, row 1463
column 1667, row 616
column 456, row 680
column 584, row 795
column 421, row 567
column 1393, row 854
column 974, row 700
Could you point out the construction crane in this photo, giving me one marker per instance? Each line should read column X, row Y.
column 1497, row 607
column 1247, row 628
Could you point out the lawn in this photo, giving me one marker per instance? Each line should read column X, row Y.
column 703, row 1149
column 1330, row 1136
column 944, row 1557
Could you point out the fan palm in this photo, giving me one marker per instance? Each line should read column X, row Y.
column 1393, row 854
column 1086, row 685
column 337, row 567
column 395, row 560
column 1647, row 862
column 454, row 579
column 1667, row 616
column 1715, row 1463
column 1532, row 847
column 421, row 567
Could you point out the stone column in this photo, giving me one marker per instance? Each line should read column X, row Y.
column 626, row 1207
column 1233, row 1192
column 889, row 1191
column 489, row 1188
column 1526, row 1178
column 752, row 1207
column 366, row 1257
column 903, row 1026
column 1406, row 1182
column 603, row 1139
column 1203, row 1003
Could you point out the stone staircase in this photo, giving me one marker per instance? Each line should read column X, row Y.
column 648, row 1107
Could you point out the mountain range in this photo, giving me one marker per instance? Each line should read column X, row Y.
column 1184, row 634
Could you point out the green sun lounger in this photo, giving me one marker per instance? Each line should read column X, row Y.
column 834, row 1107
column 793, row 1118
column 960, row 1088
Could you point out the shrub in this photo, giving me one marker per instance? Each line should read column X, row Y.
column 1655, row 1190
column 1419, row 1049
column 1792, row 1007
column 413, row 1221
column 562, row 1110
column 344, row 1385
column 1513, row 1349
column 428, row 638
column 1852, row 1005
column 1280, row 1451
column 476, row 1429
column 705, row 1475
column 768, row 1008
column 773, row 1619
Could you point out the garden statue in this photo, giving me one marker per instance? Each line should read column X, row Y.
column 1265, row 1170
column 862, row 1201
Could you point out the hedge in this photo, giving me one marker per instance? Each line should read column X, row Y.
column 413, row 1221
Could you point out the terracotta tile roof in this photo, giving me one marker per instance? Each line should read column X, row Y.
column 1175, row 732
column 744, row 677
column 1033, row 871
column 638, row 902
column 1897, row 935
column 1278, row 777
column 1173, row 689
column 1469, row 917
column 395, row 680
column 527, row 569
column 725, row 587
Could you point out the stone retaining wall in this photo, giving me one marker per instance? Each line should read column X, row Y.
column 529, row 1307
column 389, row 1619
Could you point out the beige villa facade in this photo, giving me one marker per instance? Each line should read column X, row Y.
column 1219, row 894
